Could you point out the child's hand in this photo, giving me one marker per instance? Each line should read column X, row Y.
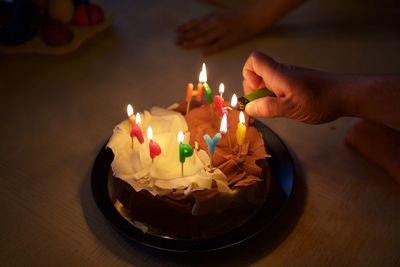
column 216, row 31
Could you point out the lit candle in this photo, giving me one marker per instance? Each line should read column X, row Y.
column 136, row 131
column 241, row 131
column 154, row 148
column 131, row 117
column 203, row 80
column 219, row 101
column 190, row 92
column 185, row 150
column 224, row 124
column 234, row 101
column 223, row 129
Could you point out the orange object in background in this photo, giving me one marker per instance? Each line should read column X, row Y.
column 61, row 10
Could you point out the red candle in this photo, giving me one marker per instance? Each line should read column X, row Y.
column 136, row 131
column 218, row 102
column 154, row 148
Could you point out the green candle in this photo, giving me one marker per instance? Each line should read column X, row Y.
column 208, row 90
column 203, row 80
column 185, row 150
column 244, row 100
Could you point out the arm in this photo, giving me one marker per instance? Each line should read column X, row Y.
column 228, row 27
column 264, row 13
column 376, row 98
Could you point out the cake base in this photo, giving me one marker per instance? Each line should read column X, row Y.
column 169, row 217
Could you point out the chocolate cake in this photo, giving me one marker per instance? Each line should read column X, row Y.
column 206, row 201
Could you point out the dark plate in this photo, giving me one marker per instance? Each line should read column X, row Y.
column 282, row 173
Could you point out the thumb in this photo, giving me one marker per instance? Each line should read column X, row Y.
column 267, row 107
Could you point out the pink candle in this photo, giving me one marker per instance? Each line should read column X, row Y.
column 136, row 131
column 154, row 148
column 218, row 102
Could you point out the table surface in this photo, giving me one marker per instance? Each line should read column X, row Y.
column 57, row 112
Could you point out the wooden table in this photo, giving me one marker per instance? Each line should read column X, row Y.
column 57, row 112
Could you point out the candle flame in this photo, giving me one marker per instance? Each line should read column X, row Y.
column 180, row 137
column 203, row 74
column 221, row 88
column 149, row 133
column 129, row 110
column 138, row 119
column 234, row 101
column 241, row 118
column 224, row 124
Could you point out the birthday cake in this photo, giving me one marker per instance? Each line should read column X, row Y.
column 194, row 194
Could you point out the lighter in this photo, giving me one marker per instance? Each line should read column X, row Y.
column 244, row 100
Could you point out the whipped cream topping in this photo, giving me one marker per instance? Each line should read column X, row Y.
column 164, row 174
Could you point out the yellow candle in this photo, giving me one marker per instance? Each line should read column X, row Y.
column 241, row 129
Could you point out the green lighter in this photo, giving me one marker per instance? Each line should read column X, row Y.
column 244, row 100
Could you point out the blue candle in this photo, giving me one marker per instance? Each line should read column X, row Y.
column 212, row 142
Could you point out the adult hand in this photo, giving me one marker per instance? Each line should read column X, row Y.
column 301, row 94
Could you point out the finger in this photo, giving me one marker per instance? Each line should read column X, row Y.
column 262, row 66
column 204, row 39
column 222, row 43
column 267, row 107
column 187, row 26
column 251, row 82
column 199, row 32
column 249, row 88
